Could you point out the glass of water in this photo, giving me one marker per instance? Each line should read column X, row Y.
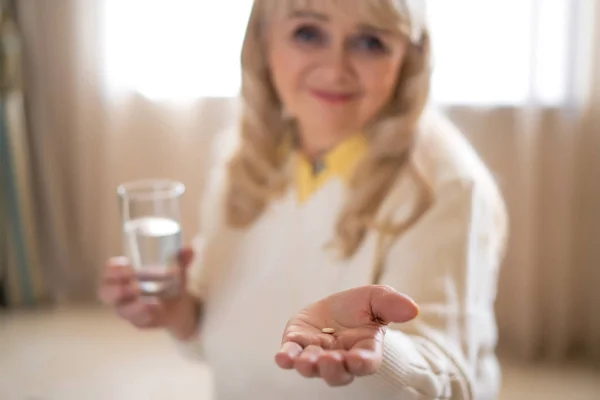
column 150, row 212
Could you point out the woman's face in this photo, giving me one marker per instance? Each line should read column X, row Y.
column 333, row 73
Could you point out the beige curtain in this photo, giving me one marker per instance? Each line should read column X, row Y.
column 546, row 159
column 69, row 147
column 21, row 278
column 87, row 142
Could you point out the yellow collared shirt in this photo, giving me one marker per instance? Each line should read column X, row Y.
column 339, row 162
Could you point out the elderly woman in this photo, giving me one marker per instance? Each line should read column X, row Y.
column 351, row 234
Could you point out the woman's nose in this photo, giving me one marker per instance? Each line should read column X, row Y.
column 337, row 64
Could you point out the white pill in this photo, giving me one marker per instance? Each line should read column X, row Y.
column 328, row 330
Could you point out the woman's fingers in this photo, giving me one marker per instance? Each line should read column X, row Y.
column 143, row 313
column 115, row 295
column 329, row 365
column 287, row 355
column 332, row 369
column 117, row 283
column 119, row 271
column 306, row 362
column 388, row 305
column 362, row 362
column 119, row 288
column 336, row 367
column 185, row 256
column 134, row 312
column 306, row 338
column 364, row 358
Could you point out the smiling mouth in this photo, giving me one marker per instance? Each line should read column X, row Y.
column 333, row 97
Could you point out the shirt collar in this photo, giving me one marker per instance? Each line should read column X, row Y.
column 339, row 162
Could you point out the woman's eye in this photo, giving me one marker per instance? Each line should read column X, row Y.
column 308, row 34
column 369, row 43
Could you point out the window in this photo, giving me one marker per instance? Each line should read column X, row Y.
column 499, row 52
column 175, row 49
column 486, row 52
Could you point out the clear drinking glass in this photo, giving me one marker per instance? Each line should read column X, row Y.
column 150, row 212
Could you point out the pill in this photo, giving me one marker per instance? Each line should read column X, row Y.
column 328, row 330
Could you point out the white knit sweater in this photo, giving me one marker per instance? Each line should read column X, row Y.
column 252, row 282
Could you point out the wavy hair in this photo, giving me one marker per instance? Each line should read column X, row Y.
column 256, row 171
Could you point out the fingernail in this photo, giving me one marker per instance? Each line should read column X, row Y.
column 120, row 261
column 415, row 310
column 290, row 349
column 283, row 348
column 358, row 363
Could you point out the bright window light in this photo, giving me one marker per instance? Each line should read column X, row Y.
column 175, row 49
column 486, row 52
column 499, row 52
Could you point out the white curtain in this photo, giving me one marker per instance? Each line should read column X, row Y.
column 127, row 89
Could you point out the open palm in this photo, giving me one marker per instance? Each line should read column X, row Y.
column 359, row 317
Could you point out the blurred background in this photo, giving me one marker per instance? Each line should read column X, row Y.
column 98, row 92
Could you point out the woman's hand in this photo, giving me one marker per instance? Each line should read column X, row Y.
column 119, row 289
column 359, row 317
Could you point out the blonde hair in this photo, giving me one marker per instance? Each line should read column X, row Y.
column 256, row 173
